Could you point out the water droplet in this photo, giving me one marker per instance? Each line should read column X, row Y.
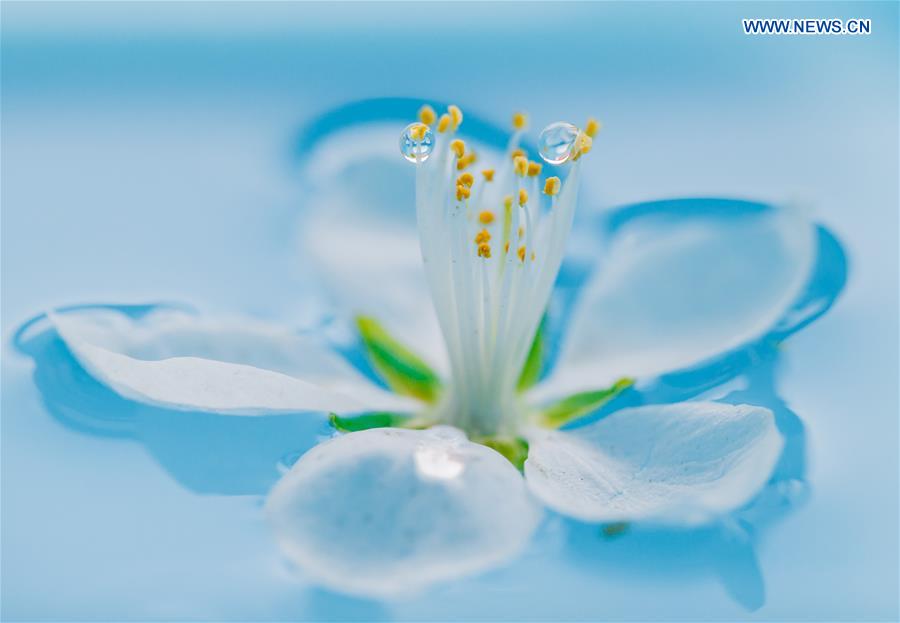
column 557, row 141
column 411, row 147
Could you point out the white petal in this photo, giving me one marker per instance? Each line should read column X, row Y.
column 683, row 463
column 176, row 360
column 672, row 293
column 387, row 511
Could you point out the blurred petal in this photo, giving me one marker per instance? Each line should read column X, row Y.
column 675, row 464
column 674, row 292
column 176, row 360
column 388, row 511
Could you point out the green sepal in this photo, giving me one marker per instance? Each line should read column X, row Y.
column 374, row 419
column 531, row 371
column 515, row 449
column 582, row 403
column 403, row 371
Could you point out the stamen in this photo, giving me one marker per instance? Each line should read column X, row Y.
column 523, row 197
column 418, row 131
column 517, row 153
column 519, row 120
column 482, row 236
column 455, row 115
column 486, row 217
column 427, row 114
column 466, row 179
column 488, row 175
column 458, row 147
column 520, row 164
column 521, row 231
column 551, row 186
column 534, row 169
column 466, row 160
column 521, row 253
column 444, row 123
column 462, row 192
column 592, row 127
column 484, row 250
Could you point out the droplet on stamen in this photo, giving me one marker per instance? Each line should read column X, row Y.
column 557, row 142
column 415, row 143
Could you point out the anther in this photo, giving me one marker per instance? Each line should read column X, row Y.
column 486, row 217
column 488, row 175
column 455, row 115
column 484, row 250
column 462, row 193
column 458, row 147
column 523, row 197
column 417, row 133
column 482, row 236
column 507, row 201
column 465, row 161
column 534, row 169
column 466, row 180
column 551, row 186
column 517, row 153
column 520, row 164
column 592, row 127
column 519, row 120
column 521, row 253
column 444, row 123
column 427, row 114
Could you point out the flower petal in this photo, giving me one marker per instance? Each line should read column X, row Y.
column 176, row 360
column 683, row 463
column 389, row 511
column 675, row 291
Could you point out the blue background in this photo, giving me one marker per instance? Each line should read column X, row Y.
column 149, row 153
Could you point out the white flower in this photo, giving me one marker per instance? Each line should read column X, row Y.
column 387, row 510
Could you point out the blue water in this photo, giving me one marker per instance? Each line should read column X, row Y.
column 156, row 155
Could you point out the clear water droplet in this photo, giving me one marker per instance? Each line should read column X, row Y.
column 557, row 142
column 410, row 148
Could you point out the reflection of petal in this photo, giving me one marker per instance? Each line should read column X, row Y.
column 673, row 292
column 389, row 511
column 683, row 463
column 175, row 360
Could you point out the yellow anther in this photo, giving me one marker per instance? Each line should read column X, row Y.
column 462, row 192
column 506, row 247
column 521, row 253
column 592, row 127
column 427, row 114
column 521, row 231
column 458, row 147
column 582, row 145
column 551, row 186
column 466, row 179
column 444, row 123
column 507, row 202
column 486, row 217
column 455, row 115
column 534, row 168
column 484, row 250
column 517, row 153
column 520, row 165
column 523, row 197
column 465, row 161
column 482, row 236
column 488, row 175
column 417, row 133
column 520, row 120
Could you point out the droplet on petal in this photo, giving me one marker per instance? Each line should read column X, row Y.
column 557, row 142
column 416, row 144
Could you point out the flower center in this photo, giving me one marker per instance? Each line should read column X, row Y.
column 492, row 243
